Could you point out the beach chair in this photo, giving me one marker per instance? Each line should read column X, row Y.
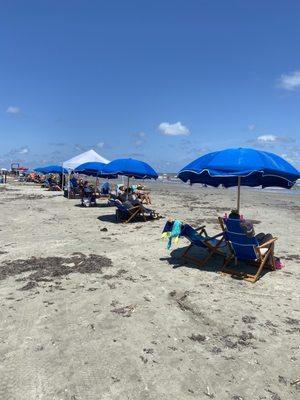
column 45, row 184
column 126, row 213
column 244, row 248
column 74, row 190
column 104, row 190
column 198, row 237
column 88, row 198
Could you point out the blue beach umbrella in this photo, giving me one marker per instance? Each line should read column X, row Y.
column 240, row 167
column 39, row 170
column 51, row 169
column 131, row 168
column 93, row 169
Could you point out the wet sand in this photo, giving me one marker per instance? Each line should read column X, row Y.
column 91, row 309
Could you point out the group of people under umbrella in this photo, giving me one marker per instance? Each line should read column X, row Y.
column 231, row 167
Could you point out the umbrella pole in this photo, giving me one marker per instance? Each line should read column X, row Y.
column 62, row 178
column 127, row 187
column 239, row 194
column 96, row 185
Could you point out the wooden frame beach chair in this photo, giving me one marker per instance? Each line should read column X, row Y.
column 198, row 237
column 127, row 214
column 244, row 248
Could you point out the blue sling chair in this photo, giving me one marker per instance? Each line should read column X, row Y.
column 198, row 237
column 247, row 249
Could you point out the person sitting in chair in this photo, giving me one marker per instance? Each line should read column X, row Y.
column 142, row 194
column 105, row 188
column 53, row 186
column 248, row 228
column 73, row 182
column 88, row 195
column 130, row 200
column 120, row 189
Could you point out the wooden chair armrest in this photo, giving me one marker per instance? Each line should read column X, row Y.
column 214, row 237
column 134, row 208
column 217, row 235
column 267, row 243
column 200, row 228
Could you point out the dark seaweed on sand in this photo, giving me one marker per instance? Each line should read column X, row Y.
column 54, row 266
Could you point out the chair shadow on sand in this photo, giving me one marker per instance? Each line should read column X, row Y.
column 112, row 219
column 214, row 264
column 108, row 218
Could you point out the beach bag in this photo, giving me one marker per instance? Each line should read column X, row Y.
column 278, row 263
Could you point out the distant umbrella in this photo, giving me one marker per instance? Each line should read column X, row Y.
column 51, row 169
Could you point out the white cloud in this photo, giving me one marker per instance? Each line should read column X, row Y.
column 20, row 150
column 290, row 81
column 100, row 145
column 80, row 147
column 13, row 110
column 139, row 138
column 272, row 142
column 138, row 143
column 267, row 139
column 24, row 150
column 175, row 129
column 251, row 127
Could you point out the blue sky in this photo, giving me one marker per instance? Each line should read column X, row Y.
column 163, row 81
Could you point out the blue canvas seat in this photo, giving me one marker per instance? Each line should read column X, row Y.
column 245, row 248
column 198, row 237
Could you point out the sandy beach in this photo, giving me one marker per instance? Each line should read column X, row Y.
column 92, row 309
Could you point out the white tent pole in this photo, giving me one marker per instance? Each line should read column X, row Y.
column 68, row 185
column 62, row 177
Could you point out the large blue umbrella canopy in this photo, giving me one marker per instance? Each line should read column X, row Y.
column 93, row 169
column 253, row 167
column 51, row 169
column 240, row 167
column 131, row 168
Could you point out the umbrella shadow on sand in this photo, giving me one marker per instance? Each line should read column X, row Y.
column 214, row 264
column 112, row 218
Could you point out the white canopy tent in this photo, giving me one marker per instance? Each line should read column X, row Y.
column 87, row 156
